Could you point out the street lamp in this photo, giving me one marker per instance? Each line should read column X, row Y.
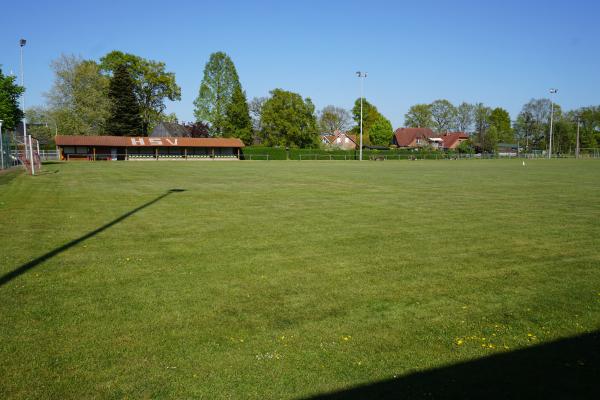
column 22, row 43
column 552, row 91
column 361, row 76
column 1, row 147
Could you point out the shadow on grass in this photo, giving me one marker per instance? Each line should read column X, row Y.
column 4, row 279
column 564, row 369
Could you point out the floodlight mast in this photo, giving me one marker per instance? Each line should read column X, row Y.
column 552, row 91
column 22, row 43
column 361, row 76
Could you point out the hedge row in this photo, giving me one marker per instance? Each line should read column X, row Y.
column 280, row 153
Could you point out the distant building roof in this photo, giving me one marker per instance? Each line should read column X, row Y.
column 405, row 136
column 451, row 138
column 170, row 129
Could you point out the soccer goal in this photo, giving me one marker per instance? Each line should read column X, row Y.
column 28, row 153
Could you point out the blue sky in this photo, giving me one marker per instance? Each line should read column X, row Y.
column 500, row 53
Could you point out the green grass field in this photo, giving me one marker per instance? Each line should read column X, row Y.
column 286, row 279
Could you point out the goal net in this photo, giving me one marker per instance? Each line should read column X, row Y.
column 28, row 151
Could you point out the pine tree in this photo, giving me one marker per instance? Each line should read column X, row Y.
column 125, row 119
column 237, row 117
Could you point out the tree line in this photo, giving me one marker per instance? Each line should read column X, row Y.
column 125, row 94
column 530, row 130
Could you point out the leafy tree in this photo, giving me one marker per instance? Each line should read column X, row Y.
column 370, row 115
column 216, row 92
column 482, row 124
column 332, row 118
column 490, row 139
column 537, row 114
column 419, row 116
column 199, row 129
column 40, row 124
column 10, row 112
column 443, row 114
column 288, row 120
column 172, row 117
column 381, row 132
column 255, row 107
column 590, row 126
column 464, row 117
column 237, row 117
column 524, row 129
column 78, row 100
column 465, row 147
column 500, row 119
column 152, row 84
column 124, row 117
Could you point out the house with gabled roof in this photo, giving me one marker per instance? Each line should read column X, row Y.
column 339, row 140
column 452, row 140
column 170, row 129
column 413, row 138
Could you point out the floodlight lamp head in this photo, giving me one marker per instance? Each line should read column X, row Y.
column 22, row 42
column 358, row 73
column 553, row 91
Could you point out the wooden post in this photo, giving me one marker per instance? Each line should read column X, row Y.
column 238, row 153
column 185, row 153
column 156, row 153
column 94, row 150
column 213, row 153
column 126, row 154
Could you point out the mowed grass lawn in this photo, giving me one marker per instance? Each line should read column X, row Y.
column 286, row 279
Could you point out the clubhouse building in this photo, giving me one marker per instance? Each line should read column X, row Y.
column 78, row 147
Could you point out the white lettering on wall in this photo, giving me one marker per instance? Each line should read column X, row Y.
column 136, row 141
column 155, row 141
column 172, row 142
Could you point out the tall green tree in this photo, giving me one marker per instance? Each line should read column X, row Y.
column 419, row 116
column 124, row 117
column 537, row 114
column 152, row 83
column 500, row 120
column 10, row 112
column 332, row 118
column 443, row 114
column 370, row 115
column 40, row 124
column 78, row 101
column 216, row 92
column 464, row 117
column 481, row 115
column 237, row 117
column 381, row 132
column 590, row 126
column 289, row 120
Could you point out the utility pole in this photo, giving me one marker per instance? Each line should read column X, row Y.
column 576, row 143
column 552, row 91
column 361, row 76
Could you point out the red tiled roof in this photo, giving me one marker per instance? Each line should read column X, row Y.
column 127, row 141
column 451, row 139
column 405, row 136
